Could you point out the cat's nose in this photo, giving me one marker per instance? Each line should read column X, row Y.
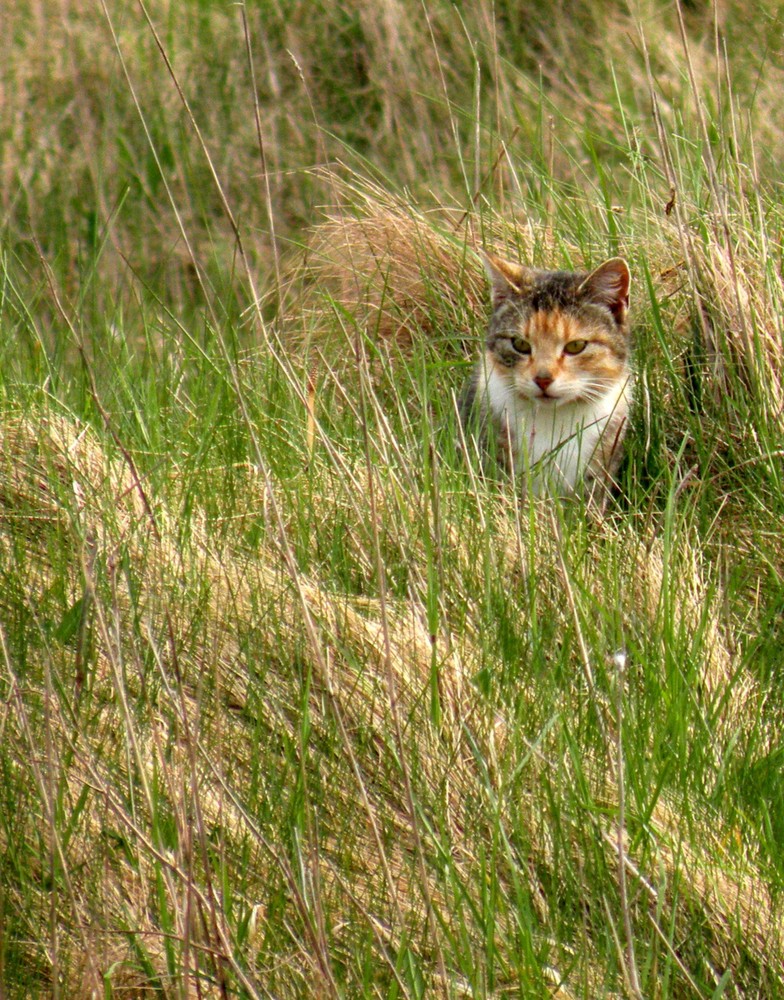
column 543, row 380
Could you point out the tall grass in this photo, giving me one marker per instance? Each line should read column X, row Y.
column 297, row 699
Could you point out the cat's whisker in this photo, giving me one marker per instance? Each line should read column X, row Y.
column 592, row 395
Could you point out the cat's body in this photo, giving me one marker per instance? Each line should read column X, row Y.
column 554, row 386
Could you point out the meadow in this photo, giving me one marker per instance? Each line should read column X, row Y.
column 297, row 700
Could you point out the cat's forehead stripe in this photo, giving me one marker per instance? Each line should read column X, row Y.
column 553, row 323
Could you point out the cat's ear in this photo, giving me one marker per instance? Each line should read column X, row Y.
column 608, row 285
column 506, row 278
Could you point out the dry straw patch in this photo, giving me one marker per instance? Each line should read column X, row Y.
column 742, row 327
column 355, row 659
column 60, row 490
column 724, row 290
column 399, row 274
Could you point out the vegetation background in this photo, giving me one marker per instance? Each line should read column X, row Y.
column 293, row 702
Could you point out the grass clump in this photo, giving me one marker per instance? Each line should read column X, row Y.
column 296, row 702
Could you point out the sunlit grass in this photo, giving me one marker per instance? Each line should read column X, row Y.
column 299, row 700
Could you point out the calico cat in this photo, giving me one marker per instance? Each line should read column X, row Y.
column 554, row 387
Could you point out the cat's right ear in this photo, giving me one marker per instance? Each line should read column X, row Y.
column 608, row 285
column 506, row 279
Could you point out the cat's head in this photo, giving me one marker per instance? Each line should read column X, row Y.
column 559, row 336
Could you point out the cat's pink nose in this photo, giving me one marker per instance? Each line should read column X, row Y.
column 543, row 381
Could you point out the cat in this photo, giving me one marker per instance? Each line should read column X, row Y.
column 554, row 387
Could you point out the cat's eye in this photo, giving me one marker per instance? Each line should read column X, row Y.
column 575, row 346
column 521, row 346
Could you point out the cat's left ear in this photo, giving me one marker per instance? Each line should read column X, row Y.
column 608, row 285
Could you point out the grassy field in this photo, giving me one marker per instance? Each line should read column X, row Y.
column 294, row 702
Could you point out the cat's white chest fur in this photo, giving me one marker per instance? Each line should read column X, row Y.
column 551, row 442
